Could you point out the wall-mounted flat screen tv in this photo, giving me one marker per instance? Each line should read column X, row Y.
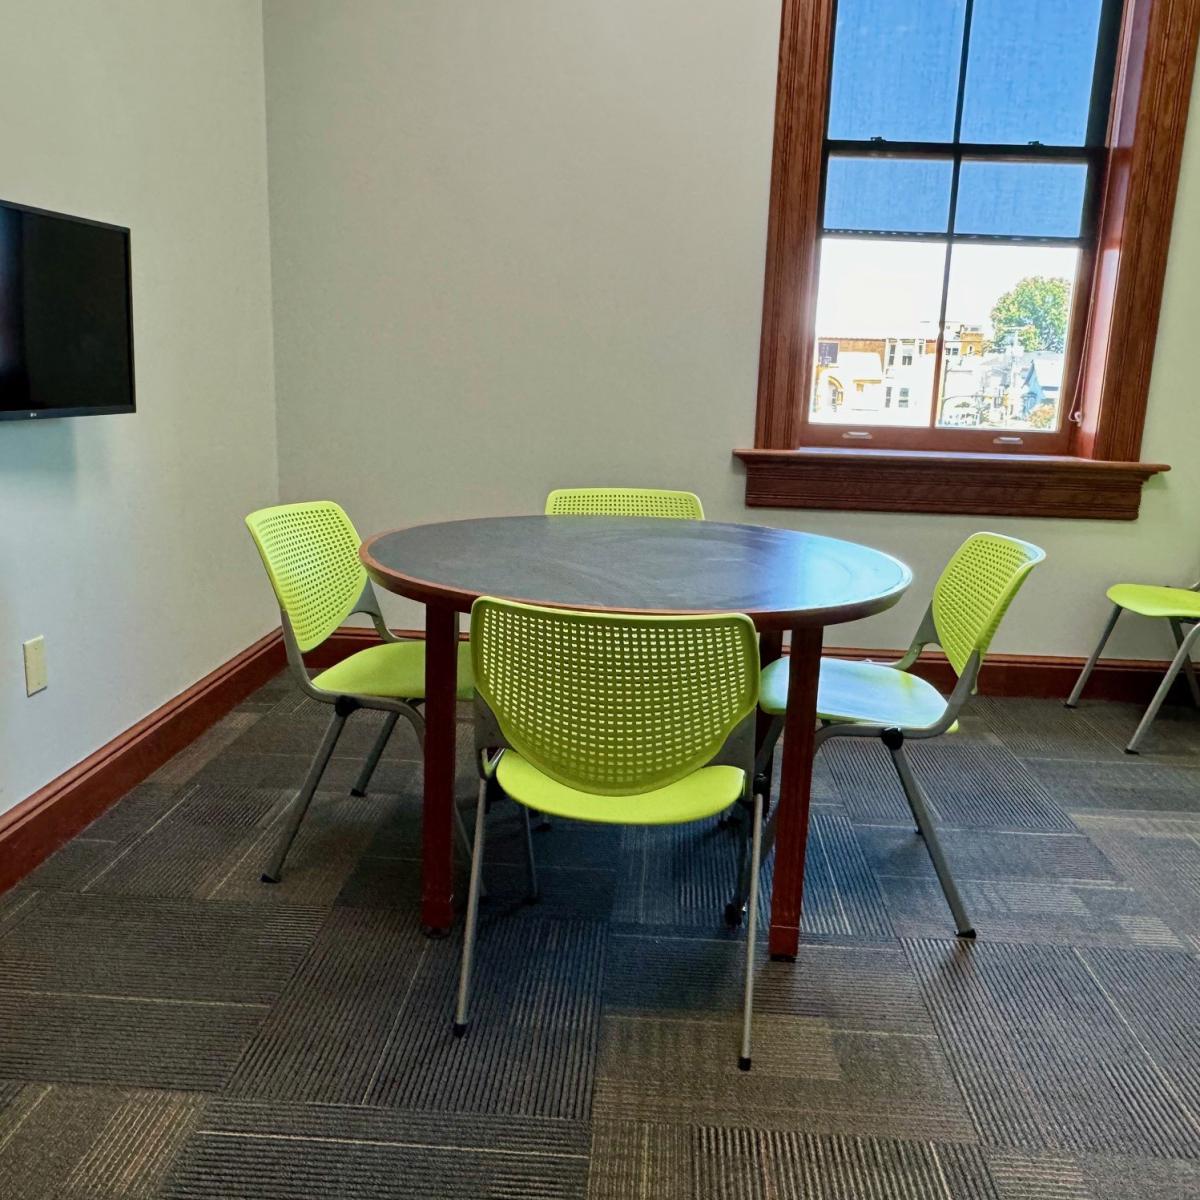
column 66, row 317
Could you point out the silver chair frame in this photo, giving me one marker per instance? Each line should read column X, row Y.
column 344, row 705
column 1181, row 661
column 893, row 737
column 490, row 741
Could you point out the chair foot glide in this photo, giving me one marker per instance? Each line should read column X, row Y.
column 459, row 1030
column 359, row 792
column 733, row 914
column 264, row 878
column 743, row 1064
column 966, row 933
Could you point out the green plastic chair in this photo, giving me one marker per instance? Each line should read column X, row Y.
column 617, row 719
column 886, row 701
column 311, row 555
column 1178, row 607
column 623, row 502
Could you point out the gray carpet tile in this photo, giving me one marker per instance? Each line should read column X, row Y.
column 987, row 854
column 851, row 987
column 1033, row 911
column 672, row 1162
column 181, row 860
column 1035, row 728
column 213, row 856
column 535, row 1021
column 807, row 1075
column 300, row 731
column 641, row 1158
column 392, row 882
column 763, row 1164
column 288, row 771
column 1158, row 854
column 328, row 848
column 99, row 1144
column 1045, row 1058
column 1175, row 733
column 172, row 1027
column 138, row 810
column 207, row 746
column 1127, row 787
column 970, row 785
column 685, row 875
column 326, row 1038
column 173, row 1044
column 1157, row 994
column 1091, row 1177
column 313, row 1152
column 87, row 945
column 72, row 865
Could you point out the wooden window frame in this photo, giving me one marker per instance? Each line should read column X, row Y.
column 1113, row 333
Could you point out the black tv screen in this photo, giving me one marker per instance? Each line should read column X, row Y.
column 66, row 331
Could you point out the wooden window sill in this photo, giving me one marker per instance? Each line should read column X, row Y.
column 935, row 481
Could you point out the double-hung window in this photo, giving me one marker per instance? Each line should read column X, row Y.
column 962, row 161
column 971, row 204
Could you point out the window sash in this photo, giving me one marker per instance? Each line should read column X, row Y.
column 1092, row 155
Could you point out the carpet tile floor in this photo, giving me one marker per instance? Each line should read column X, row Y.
column 170, row 1027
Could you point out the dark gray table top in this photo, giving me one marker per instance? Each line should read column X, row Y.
column 780, row 577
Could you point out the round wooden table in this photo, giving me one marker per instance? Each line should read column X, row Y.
column 784, row 580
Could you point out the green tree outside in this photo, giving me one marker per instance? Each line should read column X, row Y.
column 1033, row 315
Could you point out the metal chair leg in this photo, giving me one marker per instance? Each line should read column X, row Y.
column 299, row 806
column 368, row 769
column 461, row 1013
column 1077, row 691
column 751, row 932
column 737, row 905
column 920, row 810
column 534, row 891
column 737, row 902
column 1188, row 669
column 1182, row 655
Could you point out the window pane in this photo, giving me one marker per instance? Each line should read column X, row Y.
column 1029, row 71
column 897, row 194
column 877, row 313
column 1021, row 199
column 895, row 69
column 1007, row 313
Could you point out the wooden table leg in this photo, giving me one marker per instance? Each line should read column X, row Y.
column 437, row 820
column 770, row 648
column 795, row 792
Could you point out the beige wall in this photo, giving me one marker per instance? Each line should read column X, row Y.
column 119, row 536
column 520, row 245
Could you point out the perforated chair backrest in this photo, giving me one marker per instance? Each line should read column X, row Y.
column 609, row 703
column 311, row 554
column 975, row 589
column 623, row 502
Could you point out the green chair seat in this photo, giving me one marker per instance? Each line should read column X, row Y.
column 393, row 669
column 704, row 793
column 860, row 691
column 1150, row 601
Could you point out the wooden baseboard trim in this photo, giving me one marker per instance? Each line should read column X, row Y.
column 1032, row 676
column 36, row 826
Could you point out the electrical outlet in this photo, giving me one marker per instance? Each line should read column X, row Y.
column 35, row 665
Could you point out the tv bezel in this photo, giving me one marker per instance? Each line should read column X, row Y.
column 85, row 410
